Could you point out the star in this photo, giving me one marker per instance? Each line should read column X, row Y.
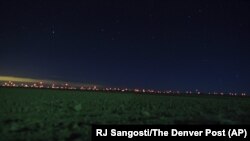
column 23, row 27
column 117, row 21
column 102, row 30
column 237, row 76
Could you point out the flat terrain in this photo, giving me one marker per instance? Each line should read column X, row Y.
column 42, row 114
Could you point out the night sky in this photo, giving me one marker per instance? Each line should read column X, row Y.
column 165, row 44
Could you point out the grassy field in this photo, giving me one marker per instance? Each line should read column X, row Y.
column 38, row 114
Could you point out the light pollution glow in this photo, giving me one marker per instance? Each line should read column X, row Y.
column 18, row 79
column 31, row 80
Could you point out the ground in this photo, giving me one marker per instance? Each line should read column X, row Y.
column 43, row 114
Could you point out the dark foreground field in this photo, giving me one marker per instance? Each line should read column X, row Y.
column 67, row 115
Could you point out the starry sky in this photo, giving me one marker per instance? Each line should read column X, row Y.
column 156, row 44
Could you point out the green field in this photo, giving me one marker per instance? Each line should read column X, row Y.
column 42, row 114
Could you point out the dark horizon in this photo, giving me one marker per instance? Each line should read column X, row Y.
column 151, row 44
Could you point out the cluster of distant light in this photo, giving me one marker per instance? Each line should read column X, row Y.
column 67, row 86
column 38, row 85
